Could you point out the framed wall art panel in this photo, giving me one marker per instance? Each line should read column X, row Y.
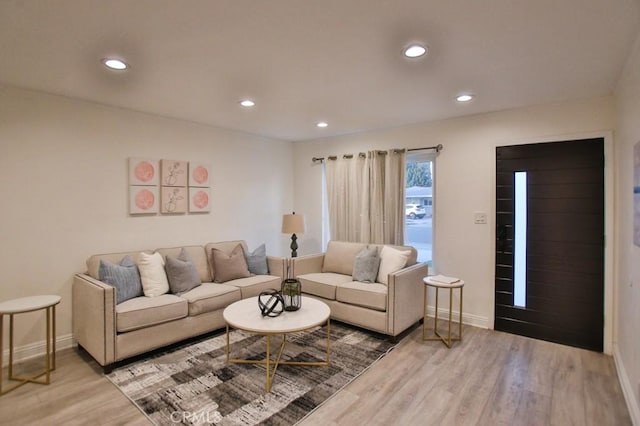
column 174, row 200
column 174, row 172
column 143, row 171
column 143, row 199
column 199, row 200
column 199, row 175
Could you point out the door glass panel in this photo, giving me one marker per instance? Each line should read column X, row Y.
column 520, row 241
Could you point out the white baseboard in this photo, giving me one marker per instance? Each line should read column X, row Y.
column 627, row 387
column 470, row 319
column 32, row 350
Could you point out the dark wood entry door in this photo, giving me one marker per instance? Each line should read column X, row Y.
column 564, row 257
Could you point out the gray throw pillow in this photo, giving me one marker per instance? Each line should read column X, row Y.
column 124, row 277
column 257, row 260
column 181, row 273
column 365, row 266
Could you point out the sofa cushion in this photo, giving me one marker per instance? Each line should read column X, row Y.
column 257, row 260
column 152, row 274
column 340, row 256
column 141, row 312
column 391, row 260
column 323, row 284
column 365, row 265
column 368, row 295
column 124, row 277
column 252, row 286
column 181, row 273
column 209, row 297
column 198, row 256
column 229, row 266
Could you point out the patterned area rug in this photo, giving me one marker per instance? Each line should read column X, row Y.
column 194, row 385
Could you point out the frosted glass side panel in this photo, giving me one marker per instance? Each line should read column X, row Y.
column 520, row 241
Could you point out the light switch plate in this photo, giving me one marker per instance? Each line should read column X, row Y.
column 480, row 218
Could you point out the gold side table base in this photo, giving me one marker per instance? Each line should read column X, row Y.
column 271, row 365
column 447, row 339
column 50, row 355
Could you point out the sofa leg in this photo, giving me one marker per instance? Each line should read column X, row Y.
column 107, row 369
column 393, row 339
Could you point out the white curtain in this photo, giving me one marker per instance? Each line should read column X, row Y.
column 365, row 197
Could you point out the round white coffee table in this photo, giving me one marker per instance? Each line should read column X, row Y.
column 245, row 315
column 20, row 306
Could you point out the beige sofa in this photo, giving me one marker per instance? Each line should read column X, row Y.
column 387, row 308
column 111, row 332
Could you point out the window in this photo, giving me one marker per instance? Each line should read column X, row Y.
column 418, row 228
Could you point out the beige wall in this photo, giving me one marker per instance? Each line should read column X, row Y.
column 465, row 180
column 63, row 192
column 628, row 255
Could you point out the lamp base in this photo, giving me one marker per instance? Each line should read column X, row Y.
column 294, row 246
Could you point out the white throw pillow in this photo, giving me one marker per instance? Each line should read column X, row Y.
column 391, row 260
column 152, row 274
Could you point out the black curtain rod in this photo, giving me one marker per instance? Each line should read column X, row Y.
column 437, row 148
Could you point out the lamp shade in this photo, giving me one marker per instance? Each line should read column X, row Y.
column 292, row 223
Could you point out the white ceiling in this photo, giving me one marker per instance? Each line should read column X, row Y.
column 303, row 61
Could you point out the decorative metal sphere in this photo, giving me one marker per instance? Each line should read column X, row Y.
column 271, row 303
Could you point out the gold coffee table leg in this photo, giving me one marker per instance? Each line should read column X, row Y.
column 271, row 366
column 227, row 343
column 328, row 341
column 268, row 366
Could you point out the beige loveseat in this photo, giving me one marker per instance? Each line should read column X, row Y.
column 111, row 332
column 387, row 308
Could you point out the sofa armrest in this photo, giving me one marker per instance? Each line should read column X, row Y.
column 405, row 297
column 94, row 317
column 306, row 264
column 277, row 266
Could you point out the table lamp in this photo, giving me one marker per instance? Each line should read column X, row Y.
column 293, row 224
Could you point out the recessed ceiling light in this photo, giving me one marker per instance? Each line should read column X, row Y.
column 115, row 64
column 415, row 50
column 466, row 97
column 247, row 103
column 322, row 124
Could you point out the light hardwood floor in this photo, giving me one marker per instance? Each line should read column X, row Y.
column 490, row 378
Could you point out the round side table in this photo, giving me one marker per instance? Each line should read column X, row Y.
column 20, row 306
column 448, row 339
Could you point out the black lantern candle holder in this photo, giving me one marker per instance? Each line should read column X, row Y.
column 291, row 292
